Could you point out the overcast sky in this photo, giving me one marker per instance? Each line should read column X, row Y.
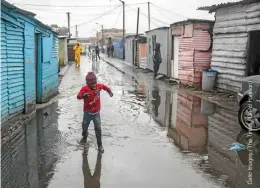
column 163, row 13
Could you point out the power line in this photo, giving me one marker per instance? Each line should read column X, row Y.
column 145, row 16
column 78, row 6
column 153, row 18
column 65, row 6
column 105, row 13
column 119, row 14
column 168, row 10
column 161, row 12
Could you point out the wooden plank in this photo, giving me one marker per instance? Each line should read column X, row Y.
column 230, row 47
column 229, row 54
column 230, row 35
column 234, row 60
column 238, row 29
column 238, row 22
column 238, row 40
column 222, row 70
column 253, row 7
column 231, row 77
column 228, row 65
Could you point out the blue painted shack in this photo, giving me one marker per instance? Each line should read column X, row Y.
column 29, row 61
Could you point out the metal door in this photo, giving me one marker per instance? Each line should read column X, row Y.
column 176, row 57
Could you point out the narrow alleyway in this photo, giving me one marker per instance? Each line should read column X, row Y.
column 153, row 137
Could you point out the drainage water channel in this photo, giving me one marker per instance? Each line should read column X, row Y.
column 153, row 137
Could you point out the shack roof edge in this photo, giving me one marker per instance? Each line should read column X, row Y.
column 213, row 8
column 193, row 20
column 159, row 28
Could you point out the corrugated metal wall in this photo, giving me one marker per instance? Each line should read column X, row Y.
column 18, row 70
column 4, row 88
column 12, row 73
column 194, row 51
column 129, row 49
column 49, row 67
column 30, row 68
column 162, row 37
column 230, row 43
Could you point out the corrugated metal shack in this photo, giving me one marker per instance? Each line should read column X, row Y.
column 130, row 49
column 158, row 35
column 63, row 54
column 118, row 49
column 190, row 50
column 236, row 42
column 29, row 61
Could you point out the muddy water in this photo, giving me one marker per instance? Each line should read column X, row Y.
column 153, row 136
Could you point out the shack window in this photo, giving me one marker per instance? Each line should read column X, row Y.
column 253, row 61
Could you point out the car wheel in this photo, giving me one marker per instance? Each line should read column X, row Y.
column 249, row 119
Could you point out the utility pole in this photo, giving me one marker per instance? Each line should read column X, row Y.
column 68, row 14
column 149, row 18
column 102, row 40
column 123, row 27
column 97, row 38
column 96, row 35
column 136, row 38
column 76, row 31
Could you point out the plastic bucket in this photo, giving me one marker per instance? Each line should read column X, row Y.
column 208, row 79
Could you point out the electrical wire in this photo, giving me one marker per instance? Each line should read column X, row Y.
column 167, row 10
column 119, row 14
column 162, row 13
column 105, row 13
column 78, row 6
column 65, row 6
column 152, row 18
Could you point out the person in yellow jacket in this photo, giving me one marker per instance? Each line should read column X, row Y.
column 78, row 49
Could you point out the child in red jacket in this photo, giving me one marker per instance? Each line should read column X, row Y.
column 91, row 96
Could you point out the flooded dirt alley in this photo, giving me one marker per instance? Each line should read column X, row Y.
column 153, row 137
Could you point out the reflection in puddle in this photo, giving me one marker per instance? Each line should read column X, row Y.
column 91, row 180
column 190, row 133
column 198, row 127
column 156, row 100
column 29, row 159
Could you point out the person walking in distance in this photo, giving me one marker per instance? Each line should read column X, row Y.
column 108, row 51
column 112, row 50
column 77, row 49
column 97, row 52
column 90, row 93
column 157, row 59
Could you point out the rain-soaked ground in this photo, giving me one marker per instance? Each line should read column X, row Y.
column 154, row 137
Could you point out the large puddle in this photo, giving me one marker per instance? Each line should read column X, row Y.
column 154, row 136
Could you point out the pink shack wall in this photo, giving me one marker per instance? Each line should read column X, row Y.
column 194, row 50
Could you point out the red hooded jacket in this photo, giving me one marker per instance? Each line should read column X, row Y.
column 92, row 101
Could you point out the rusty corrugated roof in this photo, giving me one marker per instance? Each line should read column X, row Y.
column 213, row 8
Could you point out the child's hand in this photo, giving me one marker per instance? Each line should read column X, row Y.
column 111, row 94
column 85, row 95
